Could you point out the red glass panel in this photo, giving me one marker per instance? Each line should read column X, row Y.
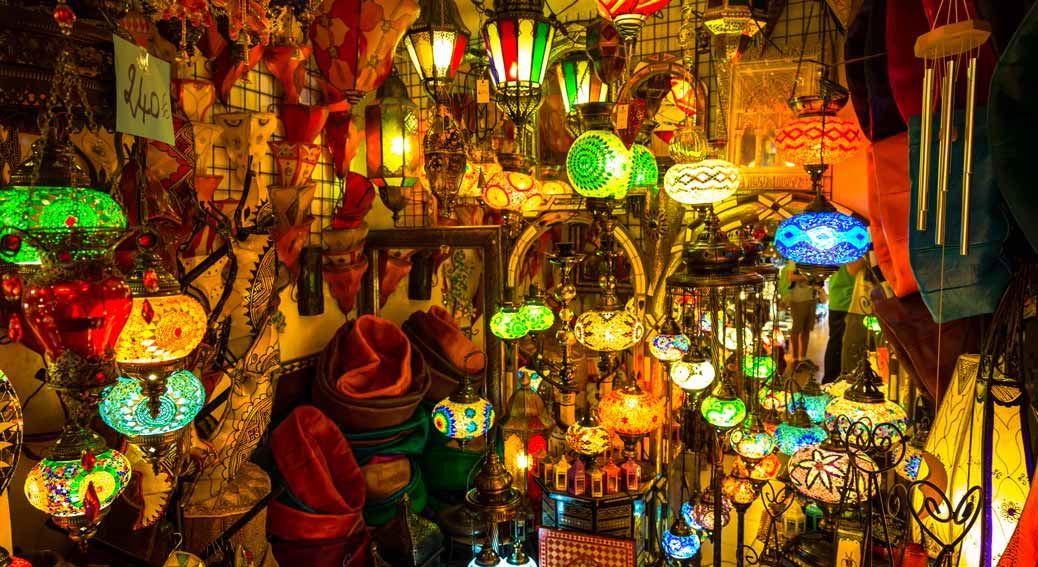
column 510, row 49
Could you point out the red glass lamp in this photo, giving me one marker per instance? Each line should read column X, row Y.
column 629, row 15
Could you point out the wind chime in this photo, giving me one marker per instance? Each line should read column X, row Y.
column 943, row 50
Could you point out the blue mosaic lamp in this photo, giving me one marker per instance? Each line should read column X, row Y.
column 669, row 344
column 821, row 239
column 813, row 400
column 680, row 541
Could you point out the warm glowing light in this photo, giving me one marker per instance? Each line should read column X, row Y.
column 827, row 476
column 599, row 164
column 509, row 190
column 669, row 348
column 579, row 83
column 773, row 400
column 631, row 411
column 759, row 367
column 818, row 139
column 436, row 43
column 880, row 417
column 59, row 488
column 461, row 420
column 644, row 171
column 589, row 439
column 731, row 337
column 739, row 490
column 751, row 441
column 608, row 330
column 161, row 329
column 125, row 408
column 692, row 375
column 701, row 183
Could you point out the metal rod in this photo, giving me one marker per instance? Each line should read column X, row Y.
column 718, row 472
column 944, row 155
column 967, row 156
column 740, row 554
column 925, row 142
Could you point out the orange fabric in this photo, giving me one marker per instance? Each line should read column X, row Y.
column 438, row 329
column 889, row 196
column 391, row 271
column 378, row 356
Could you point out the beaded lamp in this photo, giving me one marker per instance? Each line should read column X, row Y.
column 814, row 401
column 587, row 437
column 464, row 415
column 599, row 165
column 723, row 408
column 798, row 432
column 669, row 344
column 700, row 514
column 701, row 183
column 630, row 412
column 818, row 138
column 688, row 145
column 510, row 188
column 694, row 372
column 821, row 239
column 826, row 475
column 680, row 541
column 608, row 329
column 739, row 490
column 864, row 404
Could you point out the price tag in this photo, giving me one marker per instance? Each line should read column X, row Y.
column 142, row 99
column 621, row 116
column 483, row 91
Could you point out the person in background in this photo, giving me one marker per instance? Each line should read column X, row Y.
column 841, row 288
column 799, row 296
column 855, row 338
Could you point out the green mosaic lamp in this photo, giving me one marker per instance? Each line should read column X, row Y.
column 599, row 165
column 723, row 408
column 508, row 323
column 759, row 367
column 50, row 193
column 537, row 315
column 645, row 174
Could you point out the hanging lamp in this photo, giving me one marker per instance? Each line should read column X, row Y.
column 436, row 43
column 392, row 148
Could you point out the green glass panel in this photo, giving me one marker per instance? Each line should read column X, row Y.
column 540, row 47
column 125, row 408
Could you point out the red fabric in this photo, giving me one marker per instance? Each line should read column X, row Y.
column 1023, row 545
column 391, row 270
column 285, row 62
column 379, row 358
column 344, row 284
column 320, row 471
column 889, row 210
column 438, row 329
column 227, row 69
column 358, row 195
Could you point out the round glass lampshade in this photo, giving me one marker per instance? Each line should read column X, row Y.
column 822, row 238
column 701, row 183
column 692, row 375
column 645, row 173
column 723, row 412
column 689, row 145
column 764, row 469
column 739, row 490
column 509, row 190
column 60, row 488
column 631, row 412
column 464, row 421
column 825, row 475
column 508, row 323
column 879, row 417
column 731, row 337
column 599, row 164
column 773, row 399
column 680, row 543
column 790, row 438
column 700, row 515
column 537, row 315
column 669, row 348
column 759, row 367
column 818, row 139
column 43, row 208
column 753, row 443
column 813, row 403
column 161, row 329
column 608, row 330
column 587, row 439
column 124, row 407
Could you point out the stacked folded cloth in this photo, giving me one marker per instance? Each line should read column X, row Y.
column 370, row 381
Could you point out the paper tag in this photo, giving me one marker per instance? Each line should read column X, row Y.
column 142, row 101
column 621, row 116
column 483, row 91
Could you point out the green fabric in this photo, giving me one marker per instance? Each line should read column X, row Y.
column 379, row 513
column 412, row 444
column 841, row 289
column 783, row 285
column 447, row 468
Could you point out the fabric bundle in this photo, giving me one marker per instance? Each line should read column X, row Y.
column 449, row 353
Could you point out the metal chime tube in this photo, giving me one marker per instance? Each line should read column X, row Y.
column 944, row 155
column 925, row 141
column 967, row 156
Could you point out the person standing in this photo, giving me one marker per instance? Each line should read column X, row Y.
column 855, row 338
column 841, row 288
column 799, row 296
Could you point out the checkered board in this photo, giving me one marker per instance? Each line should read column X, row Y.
column 570, row 549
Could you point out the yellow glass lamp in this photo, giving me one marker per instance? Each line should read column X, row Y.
column 609, row 328
column 740, row 491
column 864, row 415
column 701, row 183
column 587, row 436
column 751, row 441
column 436, row 44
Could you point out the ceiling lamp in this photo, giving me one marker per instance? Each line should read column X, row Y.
column 680, row 541
column 759, row 367
column 645, row 173
column 798, row 432
column 731, row 17
column 587, row 437
column 392, row 148
column 537, row 315
column 77, row 483
column 723, row 408
column 518, row 40
column 669, row 344
column 821, row 239
column 464, row 415
column 507, row 323
column 629, row 15
column 579, row 82
column 631, row 412
column 751, row 441
column 436, row 43
column 827, row 476
column 599, row 165
column 701, row 183
column 864, row 415
column 694, row 372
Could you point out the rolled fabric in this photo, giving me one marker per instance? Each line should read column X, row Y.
column 378, row 356
column 890, row 191
column 321, row 474
column 436, row 328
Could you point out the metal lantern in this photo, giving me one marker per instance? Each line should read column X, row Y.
column 525, row 428
column 518, row 39
column 445, row 159
column 579, row 82
column 391, row 136
column 436, row 43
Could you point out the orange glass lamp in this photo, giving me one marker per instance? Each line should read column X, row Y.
column 819, row 138
column 631, row 413
column 628, row 16
column 587, row 437
column 511, row 188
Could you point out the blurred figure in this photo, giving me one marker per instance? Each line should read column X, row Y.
column 855, row 338
column 799, row 298
column 841, row 288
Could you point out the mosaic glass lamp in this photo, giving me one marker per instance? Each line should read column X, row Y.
column 826, row 475
column 723, row 408
column 535, row 312
column 599, row 165
column 670, row 344
column 464, row 415
column 739, row 490
column 814, row 401
column 436, row 43
column 630, row 412
column 518, row 40
column 579, row 82
column 392, row 147
column 694, row 372
column 509, row 190
column 762, row 470
column 77, row 483
column 759, row 367
column 773, row 399
column 701, row 183
column 818, row 138
column 824, row 238
column 680, row 541
column 863, row 406
column 645, row 173
column 700, row 513
column 52, row 197
column 798, row 432
column 587, row 436
column 508, row 323
column 751, row 441
column 125, row 408
column 608, row 329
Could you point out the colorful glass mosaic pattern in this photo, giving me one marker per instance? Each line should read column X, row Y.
column 827, row 476
column 822, row 238
column 790, row 438
column 598, row 164
column 59, row 488
column 125, row 408
column 692, row 376
column 537, row 315
column 508, row 324
column 701, row 514
column 578, row 81
column 161, row 329
column 701, row 183
column 818, row 139
column 739, row 490
column 631, row 413
column 463, row 420
column 42, row 208
column 604, row 330
column 518, row 48
column 878, row 417
column 772, row 399
column 587, row 440
column 644, row 171
column 759, row 367
column 723, row 413
column 680, row 546
column 751, row 443
column 813, row 404
column 669, row 348
column 509, row 190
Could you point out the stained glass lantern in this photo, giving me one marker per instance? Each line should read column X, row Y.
column 731, row 17
column 525, row 428
column 701, row 183
column 537, row 315
column 864, row 406
column 518, row 40
column 608, row 329
column 797, row 433
column 817, row 138
column 392, row 147
column 464, row 415
column 722, row 408
column 599, row 165
column 680, row 541
column 825, row 239
column 694, row 372
column 508, row 323
column 445, row 159
column 436, row 43
column 828, row 476
column 751, row 441
column 579, row 82
column 629, row 15
column 645, row 174
column 759, row 367
column 587, row 437
column 670, row 344
column 77, row 483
